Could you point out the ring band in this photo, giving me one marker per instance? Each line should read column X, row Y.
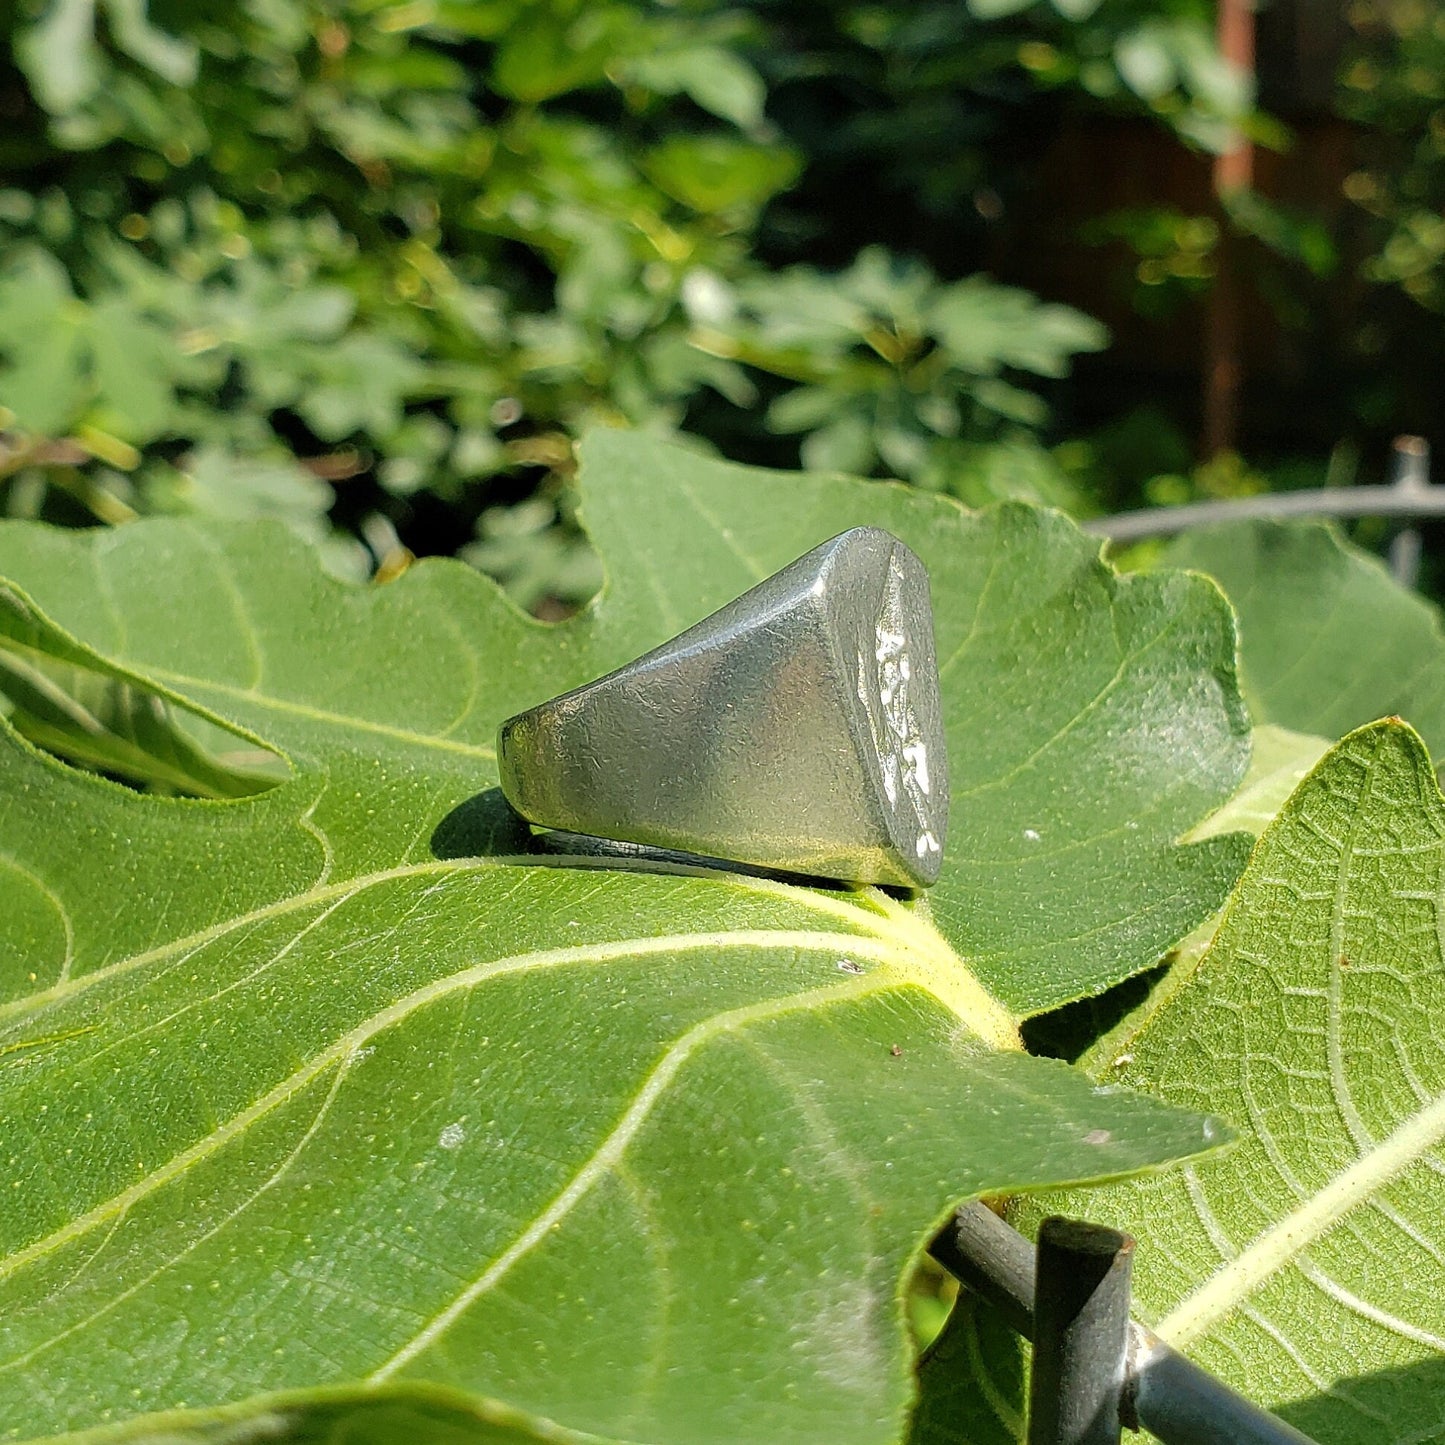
column 799, row 728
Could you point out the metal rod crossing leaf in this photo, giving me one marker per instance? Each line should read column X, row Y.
column 1163, row 1392
column 1409, row 494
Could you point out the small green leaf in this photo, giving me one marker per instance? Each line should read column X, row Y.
column 1016, row 467
column 717, row 79
column 169, row 57
column 318, row 313
column 59, row 55
column 363, row 381
column 64, row 63
column 41, row 326
column 997, row 9
column 844, row 445
column 1146, row 62
column 212, row 484
column 132, row 363
column 70, row 361
column 545, row 55
column 1010, row 402
column 987, row 327
column 1328, row 639
column 714, row 174
column 483, row 19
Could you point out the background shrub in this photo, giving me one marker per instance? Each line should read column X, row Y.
column 372, row 266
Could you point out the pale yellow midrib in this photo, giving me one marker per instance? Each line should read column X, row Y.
column 327, row 893
column 272, row 703
column 941, row 970
column 1296, row 1231
column 608, row 1154
column 394, row 1013
column 897, row 966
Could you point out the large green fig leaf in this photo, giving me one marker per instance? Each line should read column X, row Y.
column 340, row 1086
column 1305, row 1267
column 1328, row 639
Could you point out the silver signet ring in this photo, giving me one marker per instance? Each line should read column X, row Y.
column 797, row 729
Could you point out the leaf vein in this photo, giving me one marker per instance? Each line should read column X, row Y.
column 606, row 1156
column 1099, row 698
column 136, row 1286
column 977, row 624
column 191, row 685
column 1330, row 1286
column 357, row 1037
column 1294, row 1232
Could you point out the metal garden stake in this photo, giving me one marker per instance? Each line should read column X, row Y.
column 1081, row 1333
column 1157, row 1390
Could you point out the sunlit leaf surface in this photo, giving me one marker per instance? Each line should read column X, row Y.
column 1304, row 1265
column 1328, row 639
column 342, row 1086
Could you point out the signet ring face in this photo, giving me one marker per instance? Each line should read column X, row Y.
column 799, row 729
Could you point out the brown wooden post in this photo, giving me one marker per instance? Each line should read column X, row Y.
column 1233, row 172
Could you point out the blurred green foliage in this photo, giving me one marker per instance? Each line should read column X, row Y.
column 1394, row 87
column 370, row 265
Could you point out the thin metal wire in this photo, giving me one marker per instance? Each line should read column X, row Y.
column 1329, row 502
column 1163, row 1392
column 1409, row 494
column 1184, row 1405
